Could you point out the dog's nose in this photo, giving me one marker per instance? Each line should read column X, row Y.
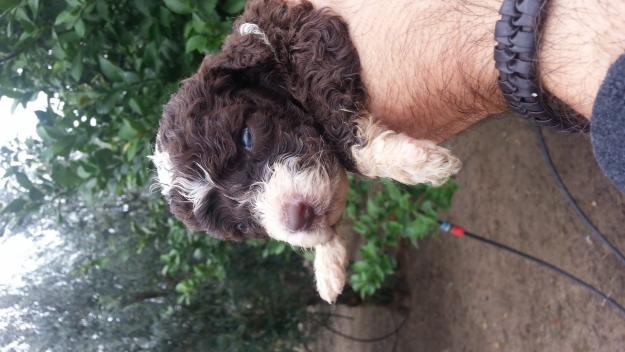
column 299, row 216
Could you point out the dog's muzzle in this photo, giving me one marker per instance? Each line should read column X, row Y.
column 300, row 205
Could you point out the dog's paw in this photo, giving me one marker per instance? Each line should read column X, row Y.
column 330, row 272
column 386, row 153
column 419, row 161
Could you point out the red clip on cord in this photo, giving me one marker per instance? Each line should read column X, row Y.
column 455, row 230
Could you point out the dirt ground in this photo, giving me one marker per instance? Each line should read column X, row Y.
column 465, row 296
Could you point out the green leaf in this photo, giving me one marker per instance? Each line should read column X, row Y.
column 351, row 211
column 428, row 208
column 198, row 24
column 197, row 42
column 131, row 77
column 387, row 265
column 404, row 201
column 58, row 51
column 23, row 180
column 50, row 134
column 207, row 6
column 7, row 4
column 280, row 248
column 34, row 6
column 82, row 173
column 35, row 195
column 392, row 189
column 23, row 18
column 233, row 7
column 76, row 70
column 127, row 131
column 141, row 5
column 104, row 107
column 109, row 70
column 360, row 228
column 369, row 250
column 182, row 287
column 11, row 170
column 65, row 17
column 15, row 206
column 392, row 228
column 180, row 7
column 64, row 176
column 42, row 115
column 131, row 148
column 79, row 27
column 135, row 106
column 420, row 226
column 442, row 196
column 373, row 209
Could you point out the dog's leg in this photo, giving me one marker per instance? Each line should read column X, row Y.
column 386, row 153
column 330, row 271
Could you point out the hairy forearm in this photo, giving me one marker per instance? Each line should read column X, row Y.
column 427, row 65
column 429, row 69
column 580, row 40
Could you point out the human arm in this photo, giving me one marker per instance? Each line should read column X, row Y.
column 428, row 65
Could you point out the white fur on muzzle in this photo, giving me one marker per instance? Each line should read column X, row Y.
column 324, row 187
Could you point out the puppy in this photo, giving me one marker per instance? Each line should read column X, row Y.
column 257, row 143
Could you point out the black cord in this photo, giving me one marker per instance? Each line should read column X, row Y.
column 569, row 198
column 396, row 342
column 551, row 267
column 461, row 232
column 367, row 340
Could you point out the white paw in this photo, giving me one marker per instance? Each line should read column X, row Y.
column 419, row 161
column 411, row 161
column 330, row 272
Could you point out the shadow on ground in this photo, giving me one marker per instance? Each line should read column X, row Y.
column 465, row 296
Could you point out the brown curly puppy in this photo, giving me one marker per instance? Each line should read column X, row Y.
column 257, row 143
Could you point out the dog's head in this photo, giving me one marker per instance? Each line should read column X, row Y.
column 240, row 157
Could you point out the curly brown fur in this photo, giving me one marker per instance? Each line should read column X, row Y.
column 308, row 84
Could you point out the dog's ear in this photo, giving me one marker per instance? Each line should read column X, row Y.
column 248, row 55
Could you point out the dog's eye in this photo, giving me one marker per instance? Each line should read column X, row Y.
column 242, row 227
column 246, row 139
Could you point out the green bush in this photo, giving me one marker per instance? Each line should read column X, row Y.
column 384, row 213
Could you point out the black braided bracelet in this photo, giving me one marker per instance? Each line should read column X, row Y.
column 515, row 57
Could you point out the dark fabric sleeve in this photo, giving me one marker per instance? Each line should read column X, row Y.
column 607, row 127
